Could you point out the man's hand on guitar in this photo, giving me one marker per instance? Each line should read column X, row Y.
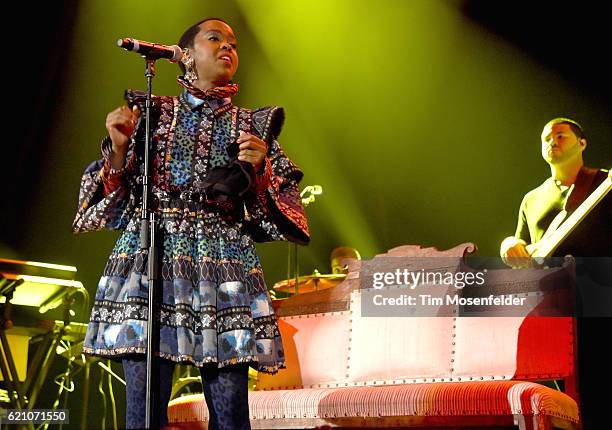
column 515, row 253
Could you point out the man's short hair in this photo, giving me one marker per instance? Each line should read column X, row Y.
column 574, row 126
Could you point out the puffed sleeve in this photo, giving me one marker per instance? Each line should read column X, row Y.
column 275, row 210
column 107, row 199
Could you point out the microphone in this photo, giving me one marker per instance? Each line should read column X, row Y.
column 149, row 50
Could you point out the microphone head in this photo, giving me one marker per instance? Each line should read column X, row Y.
column 127, row 43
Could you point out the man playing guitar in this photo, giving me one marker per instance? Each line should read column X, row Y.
column 544, row 209
column 571, row 213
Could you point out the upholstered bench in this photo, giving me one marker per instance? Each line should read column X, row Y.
column 346, row 370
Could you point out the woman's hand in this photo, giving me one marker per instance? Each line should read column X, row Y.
column 120, row 124
column 252, row 150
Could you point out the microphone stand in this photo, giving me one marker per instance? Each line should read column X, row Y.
column 148, row 240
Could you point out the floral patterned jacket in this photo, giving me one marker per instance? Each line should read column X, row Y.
column 273, row 211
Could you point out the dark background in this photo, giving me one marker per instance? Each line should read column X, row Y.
column 569, row 41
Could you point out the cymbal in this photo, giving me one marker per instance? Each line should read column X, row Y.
column 308, row 283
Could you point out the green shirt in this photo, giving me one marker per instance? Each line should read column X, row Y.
column 540, row 206
column 538, row 209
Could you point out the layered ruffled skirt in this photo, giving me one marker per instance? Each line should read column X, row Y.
column 215, row 304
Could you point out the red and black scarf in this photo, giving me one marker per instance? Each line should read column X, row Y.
column 222, row 92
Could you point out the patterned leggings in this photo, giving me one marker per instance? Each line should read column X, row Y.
column 225, row 391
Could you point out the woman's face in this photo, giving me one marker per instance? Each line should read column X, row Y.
column 214, row 53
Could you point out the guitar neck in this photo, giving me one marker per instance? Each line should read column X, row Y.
column 547, row 246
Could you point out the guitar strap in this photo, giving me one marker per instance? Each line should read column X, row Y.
column 578, row 192
column 581, row 190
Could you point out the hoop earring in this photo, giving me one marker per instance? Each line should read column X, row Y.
column 190, row 72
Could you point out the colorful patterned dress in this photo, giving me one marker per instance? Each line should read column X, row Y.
column 216, row 307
